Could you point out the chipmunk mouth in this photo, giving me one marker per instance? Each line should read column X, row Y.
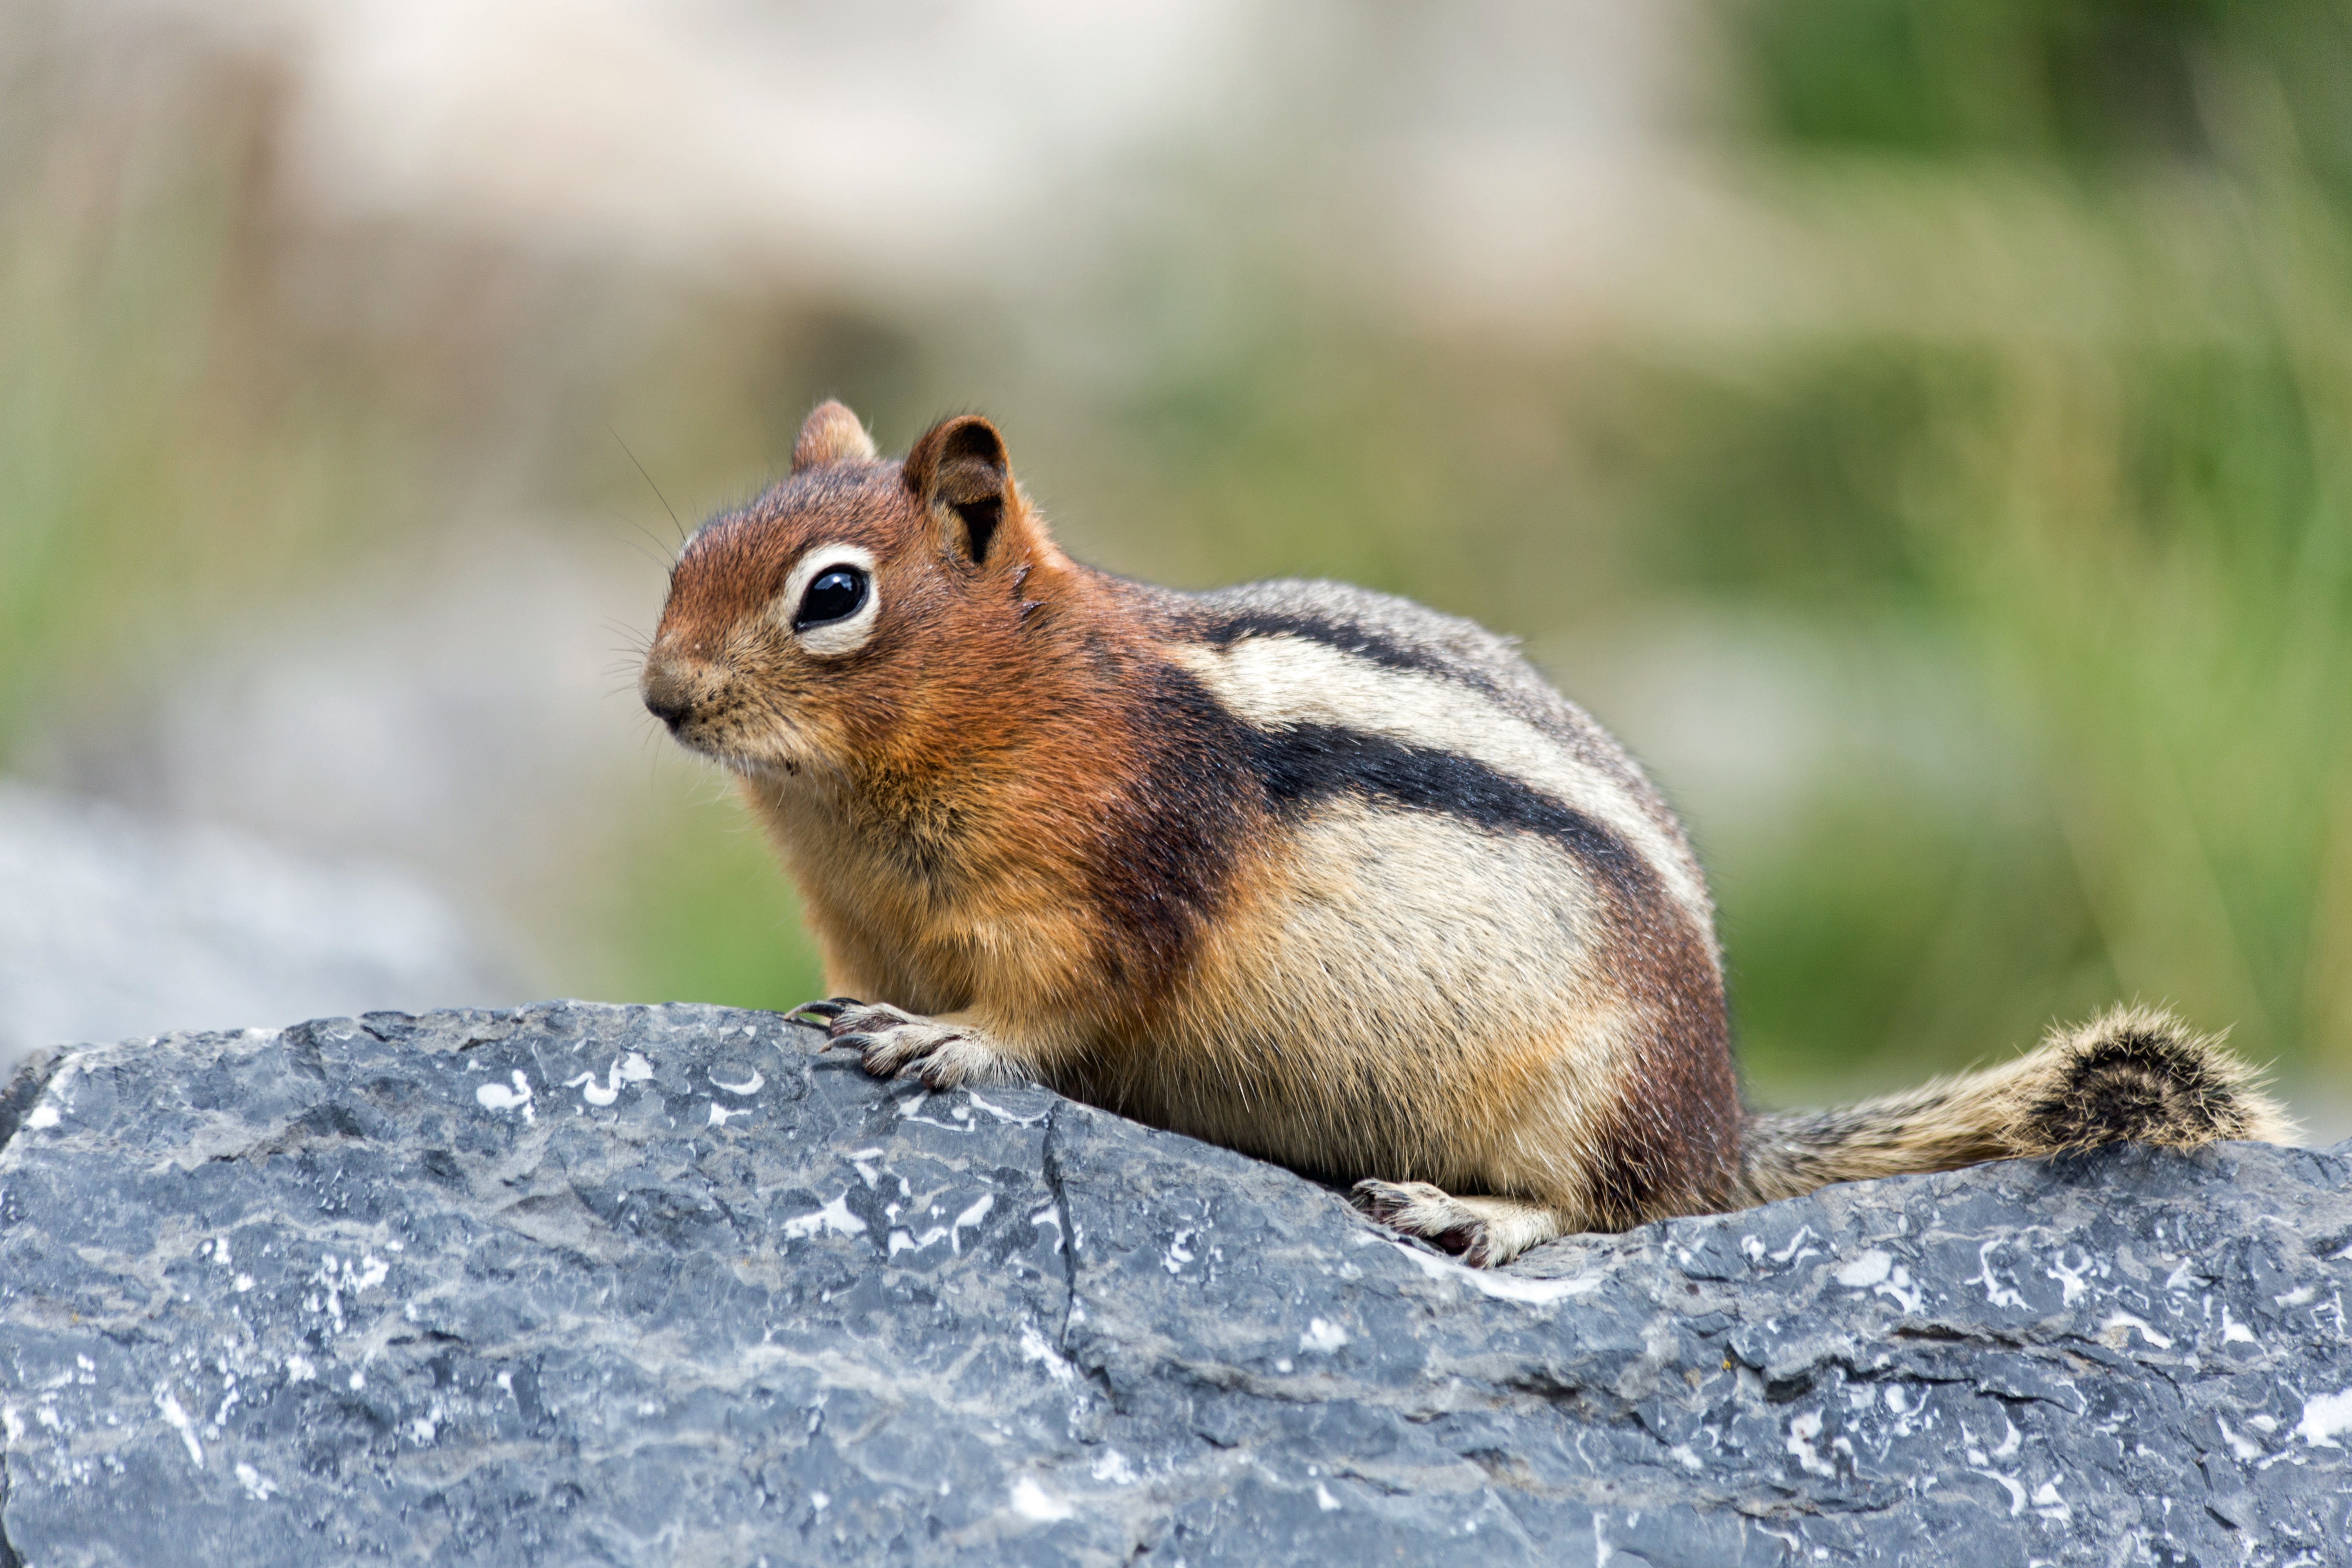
column 708, row 712
column 736, row 757
column 781, row 751
column 734, row 753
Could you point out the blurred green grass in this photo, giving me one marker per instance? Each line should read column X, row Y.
column 2143, row 544
column 2127, row 548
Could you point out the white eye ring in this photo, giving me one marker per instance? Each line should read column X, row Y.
column 833, row 638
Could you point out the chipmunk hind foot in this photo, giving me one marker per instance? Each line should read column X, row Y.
column 2139, row 1075
column 1483, row 1232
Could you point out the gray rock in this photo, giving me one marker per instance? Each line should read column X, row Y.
column 586, row 1284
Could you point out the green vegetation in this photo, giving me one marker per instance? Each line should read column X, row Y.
column 2138, row 541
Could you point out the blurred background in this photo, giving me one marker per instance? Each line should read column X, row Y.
column 1922, row 432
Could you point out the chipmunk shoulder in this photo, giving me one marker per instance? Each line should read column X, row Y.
column 1308, row 871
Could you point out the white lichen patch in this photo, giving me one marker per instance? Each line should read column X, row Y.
column 1178, row 1254
column 2324, row 1419
column 1862, row 1272
column 1997, row 1294
column 1031, row 1500
column 621, row 1072
column 168, row 1403
column 1036, row 1347
column 1516, row 1288
column 2010, row 1485
column 1877, row 1272
column 1804, row 1430
column 834, row 1216
column 1002, row 1114
column 2244, row 1448
column 1324, row 1338
column 499, row 1097
column 2121, row 1325
column 595, row 1093
column 970, row 1216
column 2071, row 1280
column 908, row 1241
column 336, row 1275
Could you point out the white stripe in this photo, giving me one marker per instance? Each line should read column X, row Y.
column 1273, row 681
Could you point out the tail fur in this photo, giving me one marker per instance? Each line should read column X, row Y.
column 2134, row 1075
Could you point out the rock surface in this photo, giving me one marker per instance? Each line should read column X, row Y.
column 587, row 1284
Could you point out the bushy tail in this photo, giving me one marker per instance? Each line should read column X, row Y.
column 2135, row 1074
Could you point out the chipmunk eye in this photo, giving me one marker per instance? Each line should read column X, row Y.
column 837, row 592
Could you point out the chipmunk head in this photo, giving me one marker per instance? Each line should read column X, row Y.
column 850, row 601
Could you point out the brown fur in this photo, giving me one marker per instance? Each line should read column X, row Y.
column 947, row 856
column 832, row 435
column 1316, row 875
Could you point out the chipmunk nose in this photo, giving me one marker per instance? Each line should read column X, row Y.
column 666, row 693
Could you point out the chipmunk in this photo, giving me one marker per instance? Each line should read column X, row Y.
column 1305, row 870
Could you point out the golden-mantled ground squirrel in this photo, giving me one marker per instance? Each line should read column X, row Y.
column 1305, row 870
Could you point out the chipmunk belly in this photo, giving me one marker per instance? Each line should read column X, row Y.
column 1399, row 994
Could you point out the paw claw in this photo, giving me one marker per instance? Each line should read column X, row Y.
column 894, row 1044
column 1385, row 1201
column 1422, row 1209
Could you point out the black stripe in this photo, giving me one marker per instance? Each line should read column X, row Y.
column 1162, row 853
column 1223, row 630
column 1164, row 850
column 1305, row 764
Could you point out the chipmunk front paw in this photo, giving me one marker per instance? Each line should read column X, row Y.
column 1435, row 1215
column 892, row 1042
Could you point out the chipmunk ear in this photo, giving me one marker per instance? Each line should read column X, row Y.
column 831, row 434
column 959, row 469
